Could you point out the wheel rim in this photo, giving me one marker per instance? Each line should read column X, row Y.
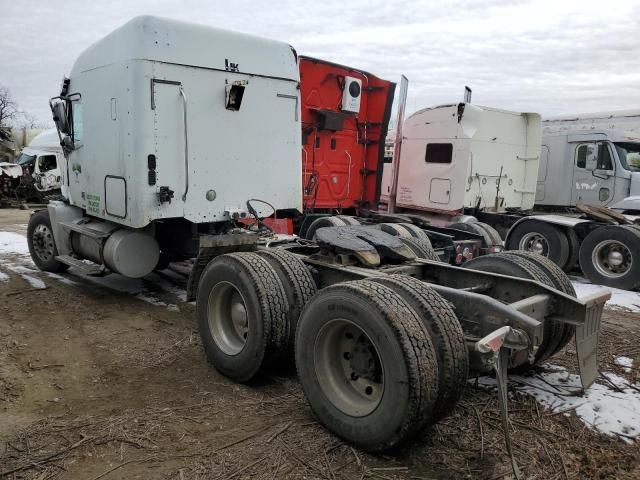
column 227, row 318
column 612, row 259
column 43, row 245
column 534, row 242
column 348, row 368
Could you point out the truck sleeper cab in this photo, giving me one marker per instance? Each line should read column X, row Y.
column 139, row 115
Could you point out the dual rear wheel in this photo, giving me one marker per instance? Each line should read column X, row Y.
column 556, row 335
column 608, row 255
column 377, row 359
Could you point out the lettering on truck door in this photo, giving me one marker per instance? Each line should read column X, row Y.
column 593, row 174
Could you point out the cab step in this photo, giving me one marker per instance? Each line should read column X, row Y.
column 93, row 270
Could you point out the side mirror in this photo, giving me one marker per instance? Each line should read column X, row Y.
column 61, row 117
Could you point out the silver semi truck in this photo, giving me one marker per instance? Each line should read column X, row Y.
column 591, row 178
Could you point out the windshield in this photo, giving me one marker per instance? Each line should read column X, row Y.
column 629, row 154
column 25, row 159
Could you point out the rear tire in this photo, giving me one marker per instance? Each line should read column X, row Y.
column 490, row 235
column 446, row 333
column 541, row 238
column 242, row 314
column 574, row 250
column 496, row 239
column 396, row 229
column 321, row 223
column 508, row 264
column 355, row 341
column 415, row 231
column 610, row 255
column 421, row 247
column 42, row 245
column 348, row 220
column 298, row 284
column 560, row 281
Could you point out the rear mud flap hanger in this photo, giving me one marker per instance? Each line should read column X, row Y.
column 501, row 341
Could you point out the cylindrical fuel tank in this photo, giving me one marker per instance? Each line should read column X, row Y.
column 130, row 253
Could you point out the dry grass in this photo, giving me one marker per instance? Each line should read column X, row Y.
column 266, row 431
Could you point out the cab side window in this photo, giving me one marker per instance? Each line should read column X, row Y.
column 47, row 162
column 586, row 156
column 604, row 157
column 439, row 153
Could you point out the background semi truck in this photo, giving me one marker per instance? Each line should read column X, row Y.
column 624, row 120
column 448, row 169
column 383, row 340
column 581, row 172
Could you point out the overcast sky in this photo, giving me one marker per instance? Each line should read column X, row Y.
column 548, row 56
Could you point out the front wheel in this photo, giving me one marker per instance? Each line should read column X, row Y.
column 42, row 245
column 610, row 256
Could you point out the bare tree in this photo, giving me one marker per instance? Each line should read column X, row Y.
column 8, row 108
column 31, row 121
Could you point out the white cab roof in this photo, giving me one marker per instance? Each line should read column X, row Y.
column 176, row 42
column 47, row 139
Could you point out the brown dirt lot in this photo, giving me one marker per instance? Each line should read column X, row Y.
column 96, row 383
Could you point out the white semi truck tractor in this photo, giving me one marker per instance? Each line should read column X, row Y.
column 383, row 340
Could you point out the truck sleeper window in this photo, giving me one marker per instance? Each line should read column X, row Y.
column 439, row 153
column 77, row 122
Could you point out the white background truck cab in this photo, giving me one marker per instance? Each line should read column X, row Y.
column 602, row 167
column 46, row 154
column 455, row 157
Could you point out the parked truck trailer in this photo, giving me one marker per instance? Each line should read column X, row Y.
column 383, row 340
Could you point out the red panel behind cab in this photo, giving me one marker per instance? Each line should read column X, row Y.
column 341, row 165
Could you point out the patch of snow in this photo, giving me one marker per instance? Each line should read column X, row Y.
column 19, row 268
column 158, row 280
column 623, row 299
column 625, row 362
column 156, row 301
column 60, row 278
column 601, row 408
column 13, row 243
column 171, row 280
column 33, row 281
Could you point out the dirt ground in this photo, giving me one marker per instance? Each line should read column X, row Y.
column 97, row 383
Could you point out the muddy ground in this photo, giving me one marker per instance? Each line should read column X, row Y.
column 100, row 383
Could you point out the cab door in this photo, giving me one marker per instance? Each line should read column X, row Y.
column 170, row 136
column 593, row 174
